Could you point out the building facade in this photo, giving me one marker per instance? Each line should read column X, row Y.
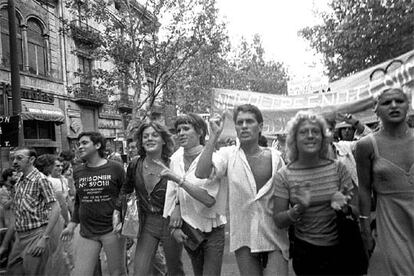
column 59, row 98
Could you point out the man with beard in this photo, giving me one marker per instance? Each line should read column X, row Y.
column 35, row 213
column 98, row 182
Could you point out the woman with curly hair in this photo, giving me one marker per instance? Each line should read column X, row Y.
column 385, row 162
column 155, row 146
column 308, row 191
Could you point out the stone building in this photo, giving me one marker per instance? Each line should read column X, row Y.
column 58, row 96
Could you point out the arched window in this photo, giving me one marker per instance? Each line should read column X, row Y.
column 36, row 48
column 5, row 39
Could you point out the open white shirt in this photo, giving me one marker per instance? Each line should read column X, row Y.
column 251, row 211
column 193, row 211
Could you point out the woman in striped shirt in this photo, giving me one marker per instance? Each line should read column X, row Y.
column 308, row 191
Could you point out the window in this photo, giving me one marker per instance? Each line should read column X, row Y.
column 36, row 48
column 38, row 130
column 5, row 41
column 85, row 68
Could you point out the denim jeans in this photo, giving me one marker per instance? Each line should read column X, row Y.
column 250, row 264
column 156, row 230
column 87, row 253
column 207, row 259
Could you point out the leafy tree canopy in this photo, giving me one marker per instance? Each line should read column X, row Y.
column 357, row 34
column 219, row 66
column 151, row 40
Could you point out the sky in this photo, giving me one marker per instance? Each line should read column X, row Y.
column 278, row 22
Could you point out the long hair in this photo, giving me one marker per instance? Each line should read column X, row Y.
column 167, row 148
column 199, row 125
column 292, row 127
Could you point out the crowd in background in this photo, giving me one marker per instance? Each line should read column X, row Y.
column 284, row 201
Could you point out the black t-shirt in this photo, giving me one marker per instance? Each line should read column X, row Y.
column 97, row 191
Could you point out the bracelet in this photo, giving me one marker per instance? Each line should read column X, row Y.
column 363, row 217
column 181, row 181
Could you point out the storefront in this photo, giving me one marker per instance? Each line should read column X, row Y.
column 41, row 118
column 41, row 126
column 110, row 125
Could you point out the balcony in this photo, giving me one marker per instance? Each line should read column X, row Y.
column 125, row 103
column 85, row 94
column 84, row 35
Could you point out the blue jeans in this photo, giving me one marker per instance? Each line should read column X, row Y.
column 88, row 249
column 207, row 259
column 156, row 230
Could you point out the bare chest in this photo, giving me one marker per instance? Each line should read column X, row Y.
column 400, row 153
column 261, row 169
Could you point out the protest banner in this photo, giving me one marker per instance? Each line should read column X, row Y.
column 355, row 94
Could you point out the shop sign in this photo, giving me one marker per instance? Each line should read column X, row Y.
column 9, row 131
column 31, row 94
column 110, row 124
column 37, row 95
column 109, row 111
column 108, row 133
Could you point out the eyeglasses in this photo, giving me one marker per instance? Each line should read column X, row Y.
column 20, row 157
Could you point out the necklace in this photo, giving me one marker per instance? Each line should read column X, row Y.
column 151, row 169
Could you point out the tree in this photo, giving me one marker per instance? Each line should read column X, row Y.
column 190, row 88
column 248, row 70
column 216, row 65
column 358, row 34
column 147, row 41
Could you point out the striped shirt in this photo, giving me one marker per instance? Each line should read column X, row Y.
column 31, row 203
column 317, row 225
column 251, row 211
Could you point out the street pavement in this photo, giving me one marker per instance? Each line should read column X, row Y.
column 229, row 267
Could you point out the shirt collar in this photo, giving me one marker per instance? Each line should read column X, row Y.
column 31, row 174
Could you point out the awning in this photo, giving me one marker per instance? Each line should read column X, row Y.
column 42, row 112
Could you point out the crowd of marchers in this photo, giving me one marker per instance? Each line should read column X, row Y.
column 284, row 205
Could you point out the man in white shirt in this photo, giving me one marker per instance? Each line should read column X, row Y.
column 260, row 247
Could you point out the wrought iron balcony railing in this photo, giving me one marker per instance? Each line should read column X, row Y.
column 85, row 35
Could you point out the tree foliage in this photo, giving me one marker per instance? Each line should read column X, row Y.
column 147, row 41
column 219, row 66
column 358, row 34
column 250, row 71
